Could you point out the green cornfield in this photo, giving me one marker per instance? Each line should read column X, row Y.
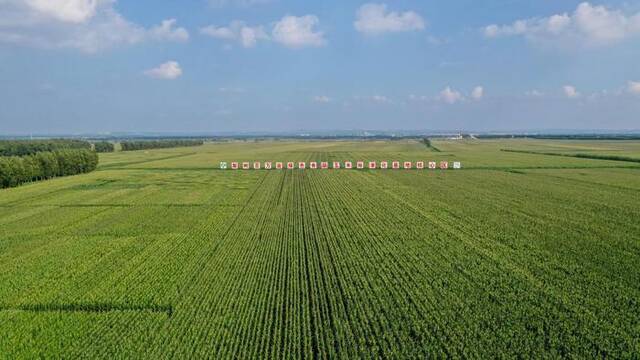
column 159, row 254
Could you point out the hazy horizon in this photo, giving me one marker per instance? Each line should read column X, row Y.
column 336, row 132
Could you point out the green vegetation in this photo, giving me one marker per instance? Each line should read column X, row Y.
column 104, row 146
column 30, row 147
column 584, row 156
column 17, row 170
column 158, row 254
column 158, row 144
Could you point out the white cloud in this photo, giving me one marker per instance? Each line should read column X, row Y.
column 86, row 25
column 73, row 11
column 238, row 31
column 298, row 32
column 166, row 31
column 450, row 96
column 588, row 25
column 477, row 93
column 321, row 99
column 633, row 87
column 570, row 92
column 290, row 31
column 224, row 33
column 533, row 93
column 168, row 71
column 375, row 19
column 602, row 94
column 250, row 36
column 379, row 99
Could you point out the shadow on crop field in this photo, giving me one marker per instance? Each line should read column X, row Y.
column 136, row 162
column 89, row 308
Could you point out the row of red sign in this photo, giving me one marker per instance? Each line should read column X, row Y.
column 268, row 165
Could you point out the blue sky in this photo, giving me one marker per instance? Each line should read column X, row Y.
column 78, row 66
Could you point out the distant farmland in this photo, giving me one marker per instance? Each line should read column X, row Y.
column 158, row 254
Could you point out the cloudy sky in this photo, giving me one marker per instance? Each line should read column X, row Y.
column 74, row 66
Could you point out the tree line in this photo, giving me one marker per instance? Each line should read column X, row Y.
column 30, row 147
column 104, row 147
column 158, row 144
column 17, row 170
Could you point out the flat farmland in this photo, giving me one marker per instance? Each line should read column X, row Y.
column 160, row 254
